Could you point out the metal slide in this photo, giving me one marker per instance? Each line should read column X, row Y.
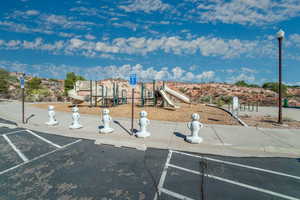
column 167, row 99
column 177, row 95
column 76, row 98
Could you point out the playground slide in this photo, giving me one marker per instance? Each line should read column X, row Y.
column 177, row 95
column 79, row 99
column 167, row 99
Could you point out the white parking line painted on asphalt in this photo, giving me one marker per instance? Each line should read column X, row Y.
column 163, row 174
column 236, row 183
column 44, row 139
column 13, row 132
column 174, row 194
column 22, row 156
column 38, row 157
column 241, row 165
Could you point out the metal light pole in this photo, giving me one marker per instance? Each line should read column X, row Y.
column 280, row 36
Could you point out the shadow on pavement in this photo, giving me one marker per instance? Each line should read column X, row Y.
column 4, row 121
column 128, row 131
column 180, row 135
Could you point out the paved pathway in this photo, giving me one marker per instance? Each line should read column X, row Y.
column 218, row 139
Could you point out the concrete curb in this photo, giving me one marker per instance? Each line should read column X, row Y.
column 235, row 117
column 240, row 151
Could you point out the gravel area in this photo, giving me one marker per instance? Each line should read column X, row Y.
column 183, row 114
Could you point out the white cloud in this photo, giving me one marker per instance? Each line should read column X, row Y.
column 253, row 12
column 22, row 28
column 62, row 21
column 32, row 12
column 147, row 6
column 89, row 37
column 294, row 39
column 246, row 69
column 206, row 46
column 250, row 78
column 110, row 71
column 205, row 76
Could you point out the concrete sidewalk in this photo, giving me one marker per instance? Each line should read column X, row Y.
column 218, row 139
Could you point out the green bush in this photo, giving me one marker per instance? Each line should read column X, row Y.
column 34, row 83
column 220, row 102
column 226, row 99
column 205, row 99
column 275, row 87
column 244, row 84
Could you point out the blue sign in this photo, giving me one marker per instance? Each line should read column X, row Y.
column 133, row 80
column 22, row 82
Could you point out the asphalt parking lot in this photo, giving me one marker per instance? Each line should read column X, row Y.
column 35, row 165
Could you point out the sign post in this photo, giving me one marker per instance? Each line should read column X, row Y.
column 132, row 82
column 22, row 85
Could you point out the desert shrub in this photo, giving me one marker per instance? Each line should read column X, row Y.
column 34, row 83
column 205, row 99
column 226, row 99
column 37, row 94
column 220, row 102
column 275, row 87
column 244, row 84
column 4, row 84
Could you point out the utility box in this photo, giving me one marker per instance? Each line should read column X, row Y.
column 286, row 103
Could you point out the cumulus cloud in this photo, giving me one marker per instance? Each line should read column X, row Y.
column 206, row 46
column 110, row 71
column 250, row 78
column 32, row 12
column 89, row 37
column 62, row 21
column 252, row 12
column 147, row 6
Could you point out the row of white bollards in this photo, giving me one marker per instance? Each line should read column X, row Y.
column 143, row 122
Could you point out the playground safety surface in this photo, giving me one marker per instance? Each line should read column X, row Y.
column 36, row 165
column 208, row 114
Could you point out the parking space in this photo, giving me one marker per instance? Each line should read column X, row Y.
column 189, row 176
column 36, row 165
column 21, row 146
column 8, row 157
column 67, row 168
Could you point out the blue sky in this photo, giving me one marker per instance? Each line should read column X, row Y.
column 182, row 40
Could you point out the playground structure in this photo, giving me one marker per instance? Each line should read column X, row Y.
column 111, row 94
column 163, row 94
column 97, row 94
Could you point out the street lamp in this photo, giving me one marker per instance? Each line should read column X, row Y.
column 280, row 36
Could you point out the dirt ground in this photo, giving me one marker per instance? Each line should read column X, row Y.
column 269, row 122
column 208, row 115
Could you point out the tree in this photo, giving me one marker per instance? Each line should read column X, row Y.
column 71, row 78
column 3, row 81
column 34, row 83
column 275, row 87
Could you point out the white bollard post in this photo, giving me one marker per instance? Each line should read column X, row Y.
column 143, row 123
column 51, row 115
column 194, row 126
column 75, row 116
column 235, row 106
column 106, row 119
